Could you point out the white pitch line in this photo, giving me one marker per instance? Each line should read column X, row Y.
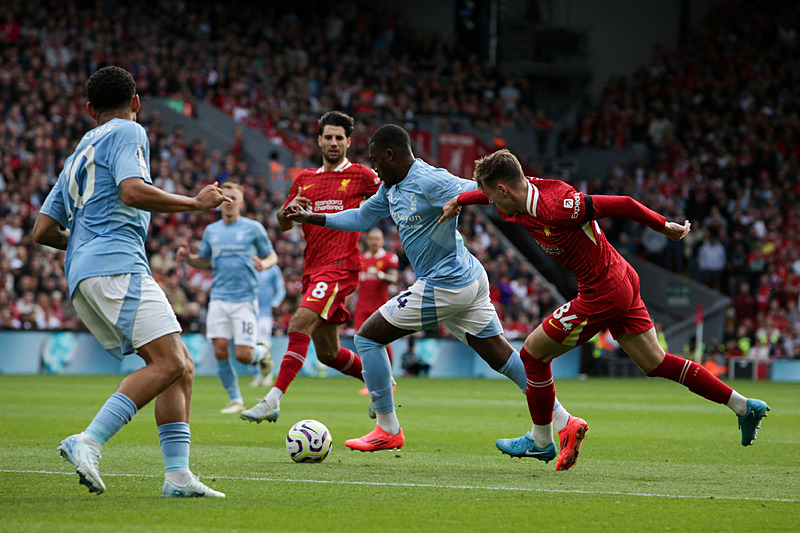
column 435, row 486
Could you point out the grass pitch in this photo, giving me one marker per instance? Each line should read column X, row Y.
column 656, row 458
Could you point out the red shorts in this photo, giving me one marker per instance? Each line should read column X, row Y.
column 620, row 311
column 324, row 293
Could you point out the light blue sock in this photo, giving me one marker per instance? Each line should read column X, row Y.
column 514, row 370
column 377, row 373
column 175, row 438
column 259, row 351
column 115, row 413
column 228, row 377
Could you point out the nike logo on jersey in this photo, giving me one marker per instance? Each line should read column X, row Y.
column 553, row 324
column 312, row 299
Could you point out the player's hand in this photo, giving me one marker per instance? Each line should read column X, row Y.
column 210, row 197
column 297, row 213
column 676, row 231
column 258, row 263
column 300, row 200
column 451, row 209
column 182, row 254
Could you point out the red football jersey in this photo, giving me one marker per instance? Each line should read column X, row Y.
column 563, row 222
column 373, row 292
column 331, row 191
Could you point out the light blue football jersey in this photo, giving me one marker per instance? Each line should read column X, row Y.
column 271, row 290
column 436, row 251
column 231, row 248
column 106, row 236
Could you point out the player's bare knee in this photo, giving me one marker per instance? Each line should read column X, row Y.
column 174, row 367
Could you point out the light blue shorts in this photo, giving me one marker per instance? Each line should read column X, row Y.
column 124, row 312
column 465, row 310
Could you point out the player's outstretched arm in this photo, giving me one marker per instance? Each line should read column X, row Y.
column 297, row 213
column 676, row 231
column 47, row 231
column 137, row 193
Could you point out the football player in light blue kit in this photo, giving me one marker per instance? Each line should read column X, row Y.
column 271, row 292
column 451, row 288
column 98, row 211
column 235, row 249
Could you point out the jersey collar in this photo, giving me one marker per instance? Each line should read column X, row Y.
column 344, row 165
column 533, row 198
column 380, row 253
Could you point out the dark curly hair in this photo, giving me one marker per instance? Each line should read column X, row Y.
column 110, row 88
column 337, row 118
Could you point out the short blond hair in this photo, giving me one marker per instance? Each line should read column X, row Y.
column 499, row 166
column 232, row 185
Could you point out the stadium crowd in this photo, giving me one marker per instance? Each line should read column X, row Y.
column 718, row 118
column 44, row 69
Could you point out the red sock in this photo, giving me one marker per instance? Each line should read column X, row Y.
column 541, row 390
column 293, row 360
column 347, row 362
column 699, row 380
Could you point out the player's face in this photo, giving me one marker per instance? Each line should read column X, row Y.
column 334, row 144
column 498, row 195
column 374, row 241
column 234, row 207
column 381, row 163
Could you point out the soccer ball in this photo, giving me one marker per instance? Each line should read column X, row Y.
column 309, row 441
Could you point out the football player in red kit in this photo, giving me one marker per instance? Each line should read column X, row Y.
column 380, row 269
column 332, row 261
column 563, row 222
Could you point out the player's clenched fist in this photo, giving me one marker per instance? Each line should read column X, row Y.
column 210, row 197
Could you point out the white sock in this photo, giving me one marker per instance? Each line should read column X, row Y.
column 388, row 422
column 560, row 417
column 259, row 351
column 91, row 441
column 542, row 435
column 274, row 396
column 737, row 403
column 179, row 477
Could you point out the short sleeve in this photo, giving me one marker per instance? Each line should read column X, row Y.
column 292, row 193
column 54, row 206
column 371, row 181
column 205, row 247
column 132, row 154
column 392, row 261
column 263, row 244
